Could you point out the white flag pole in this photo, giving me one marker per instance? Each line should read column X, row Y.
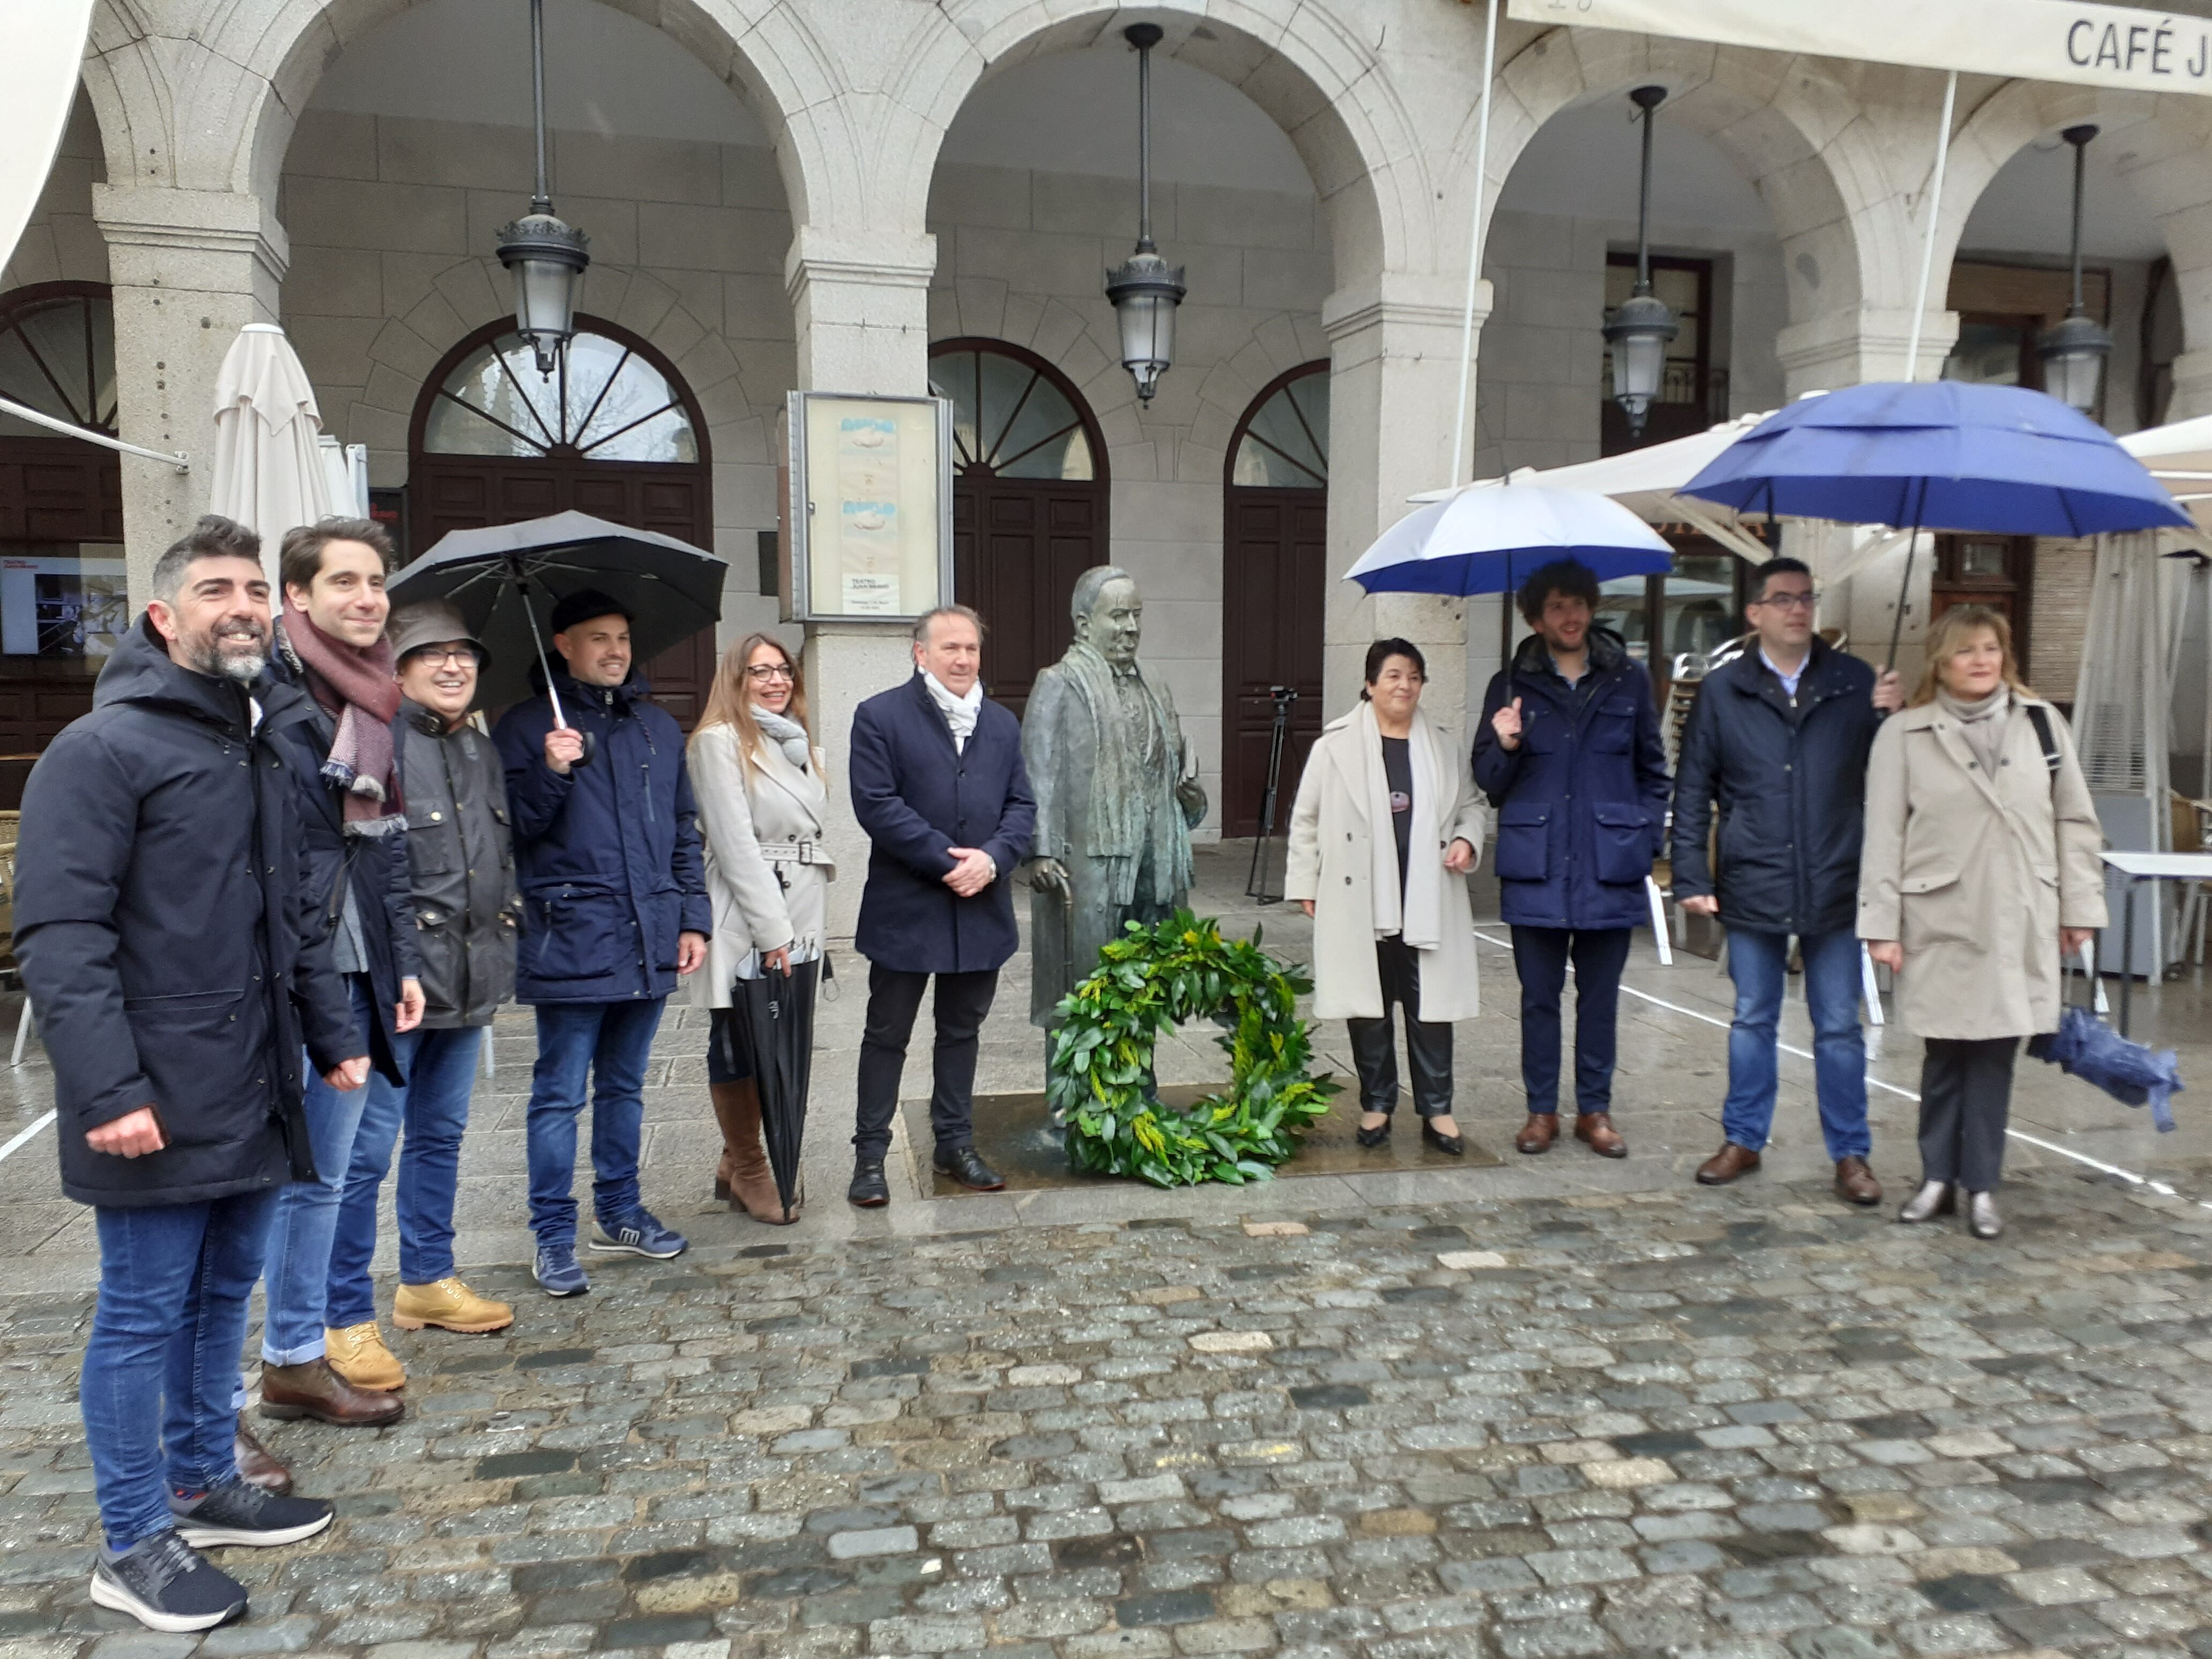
column 1460, row 455
column 1935, row 209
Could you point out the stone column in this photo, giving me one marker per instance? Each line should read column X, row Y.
column 190, row 269
column 2192, row 387
column 1845, row 347
column 1393, row 357
column 859, row 303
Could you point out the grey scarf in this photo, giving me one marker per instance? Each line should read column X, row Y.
column 787, row 735
column 1982, row 724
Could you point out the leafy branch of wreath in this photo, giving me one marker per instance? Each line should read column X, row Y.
column 1101, row 1085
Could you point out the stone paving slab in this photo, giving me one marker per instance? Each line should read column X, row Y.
column 1749, row 1425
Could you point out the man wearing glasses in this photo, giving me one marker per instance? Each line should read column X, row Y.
column 1776, row 745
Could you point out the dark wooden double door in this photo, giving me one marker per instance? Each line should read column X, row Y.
column 57, row 495
column 1018, row 545
column 1274, row 573
column 451, row 492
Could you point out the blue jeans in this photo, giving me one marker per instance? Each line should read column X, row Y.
column 162, row 1361
column 433, row 1105
column 1759, row 964
column 608, row 1042
column 307, row 1213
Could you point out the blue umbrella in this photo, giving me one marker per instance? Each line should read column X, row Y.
column 1490, row 538
column 1939, row 455
column 2133, row 1074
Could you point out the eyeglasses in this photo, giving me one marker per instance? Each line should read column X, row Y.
column 1804, row 601
column 442, row 656
column 762, row 672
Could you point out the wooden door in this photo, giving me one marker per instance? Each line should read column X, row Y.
column 1995, row 572
column 1274, row 571
column 1018, row 547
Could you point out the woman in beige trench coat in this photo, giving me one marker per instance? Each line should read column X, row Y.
column 758, row 781
column 1386, row 827
column 1980, row 868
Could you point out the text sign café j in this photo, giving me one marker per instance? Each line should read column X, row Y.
column 2118, row 46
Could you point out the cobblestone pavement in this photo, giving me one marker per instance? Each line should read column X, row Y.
column 1748, row 1425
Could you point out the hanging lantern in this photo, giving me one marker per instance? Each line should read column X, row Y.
column 1144, row 290
column 2074, row 351
column 1642, row 328
column 545, row 256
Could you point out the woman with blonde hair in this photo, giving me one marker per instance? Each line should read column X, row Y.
column 760, row 784
column 1980, row 872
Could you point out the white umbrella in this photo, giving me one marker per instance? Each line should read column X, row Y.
column 1489, row 539
column 42, row 43
column 270, row 473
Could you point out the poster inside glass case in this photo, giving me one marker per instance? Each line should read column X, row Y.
column 870, row 506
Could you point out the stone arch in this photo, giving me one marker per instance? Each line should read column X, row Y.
column 1328, row 89
column 1803, row 142
column 247, row 72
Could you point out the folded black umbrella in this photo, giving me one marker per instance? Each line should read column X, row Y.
column 506, row 579
column 775, row 1012
column 2131, row 1072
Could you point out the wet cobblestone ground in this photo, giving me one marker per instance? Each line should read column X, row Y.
column 1747, row 1424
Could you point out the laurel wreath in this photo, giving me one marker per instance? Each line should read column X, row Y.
column 1100, row 1082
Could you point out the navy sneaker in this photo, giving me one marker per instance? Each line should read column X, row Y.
column 637, row 1234
column 557, row 1272
column 166, row 1584
column 235, row 1513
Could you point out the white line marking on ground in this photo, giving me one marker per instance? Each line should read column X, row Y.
column 22, row 1136
column 2098, row 1164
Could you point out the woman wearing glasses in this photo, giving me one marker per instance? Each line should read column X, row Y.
column 759, row 782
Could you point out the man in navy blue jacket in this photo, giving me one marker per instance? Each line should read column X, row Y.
column 1777, row 746
column 1568, row 749
column 614, row 905
column 938, row 786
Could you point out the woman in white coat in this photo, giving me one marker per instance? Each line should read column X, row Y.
column 758, row 780
column 1386, row 827
column 1980, row 867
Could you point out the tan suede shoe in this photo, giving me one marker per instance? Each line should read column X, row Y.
column 357, row 1353
column 450, row 1306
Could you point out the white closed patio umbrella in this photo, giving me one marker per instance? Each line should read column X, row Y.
column 270, row 473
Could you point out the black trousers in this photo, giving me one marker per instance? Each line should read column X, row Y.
column 894, row 998
column 1540, row 955
column 1966, row 1096
column 1428, row 1042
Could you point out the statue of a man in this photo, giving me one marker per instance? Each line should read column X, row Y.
column 1116, row 793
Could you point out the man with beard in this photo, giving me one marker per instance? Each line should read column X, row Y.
column 168, row 942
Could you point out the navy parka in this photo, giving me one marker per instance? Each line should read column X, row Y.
column 915, row 795
column 1583, row 802
column 1787, row 778
column 607, row 859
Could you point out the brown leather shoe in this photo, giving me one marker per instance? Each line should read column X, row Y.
column 315, row 1391
column 1595, row 1130
column 257, row 1464
column 1727, row 1165
column 1537, row 1134
column 1854, row 1182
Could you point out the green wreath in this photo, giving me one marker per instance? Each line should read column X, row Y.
column 1100, row 1083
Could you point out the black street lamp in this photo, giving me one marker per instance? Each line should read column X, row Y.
column 546, row 256
column 2073, row 349
column 1145, row 290
column 1640, row 329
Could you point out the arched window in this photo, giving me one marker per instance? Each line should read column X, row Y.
column 605, row 403
column 1028, row 501
column 614, row 433
column 58, row 356
column 1274, row 569
column 1284, row 442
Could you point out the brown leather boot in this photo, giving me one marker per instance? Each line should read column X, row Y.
column 1854, row 1182
column 1727, row 1165
column 315, row 1391
column 745, row 1168
column 257, row 1464
column 1538, row 1134
column 1595, row 1130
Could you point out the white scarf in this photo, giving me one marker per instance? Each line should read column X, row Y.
column 961, row 714
column 787, row 735
column 1420, row 920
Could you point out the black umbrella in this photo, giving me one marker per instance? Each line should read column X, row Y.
column 506, row 579
column 775, row 1012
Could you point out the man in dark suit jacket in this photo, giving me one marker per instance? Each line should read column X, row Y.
column 937, row 785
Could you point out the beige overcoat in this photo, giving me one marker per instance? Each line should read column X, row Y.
column 1976, row 875
column 746, row 805
column 1332, row 862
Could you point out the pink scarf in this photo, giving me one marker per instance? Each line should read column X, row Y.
column 354, row 685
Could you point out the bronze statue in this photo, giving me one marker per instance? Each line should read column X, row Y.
column 1116, row 793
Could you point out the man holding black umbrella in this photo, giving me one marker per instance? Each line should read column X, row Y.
column 615, row 910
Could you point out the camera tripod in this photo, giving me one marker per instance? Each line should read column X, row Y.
column 1255, row 884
